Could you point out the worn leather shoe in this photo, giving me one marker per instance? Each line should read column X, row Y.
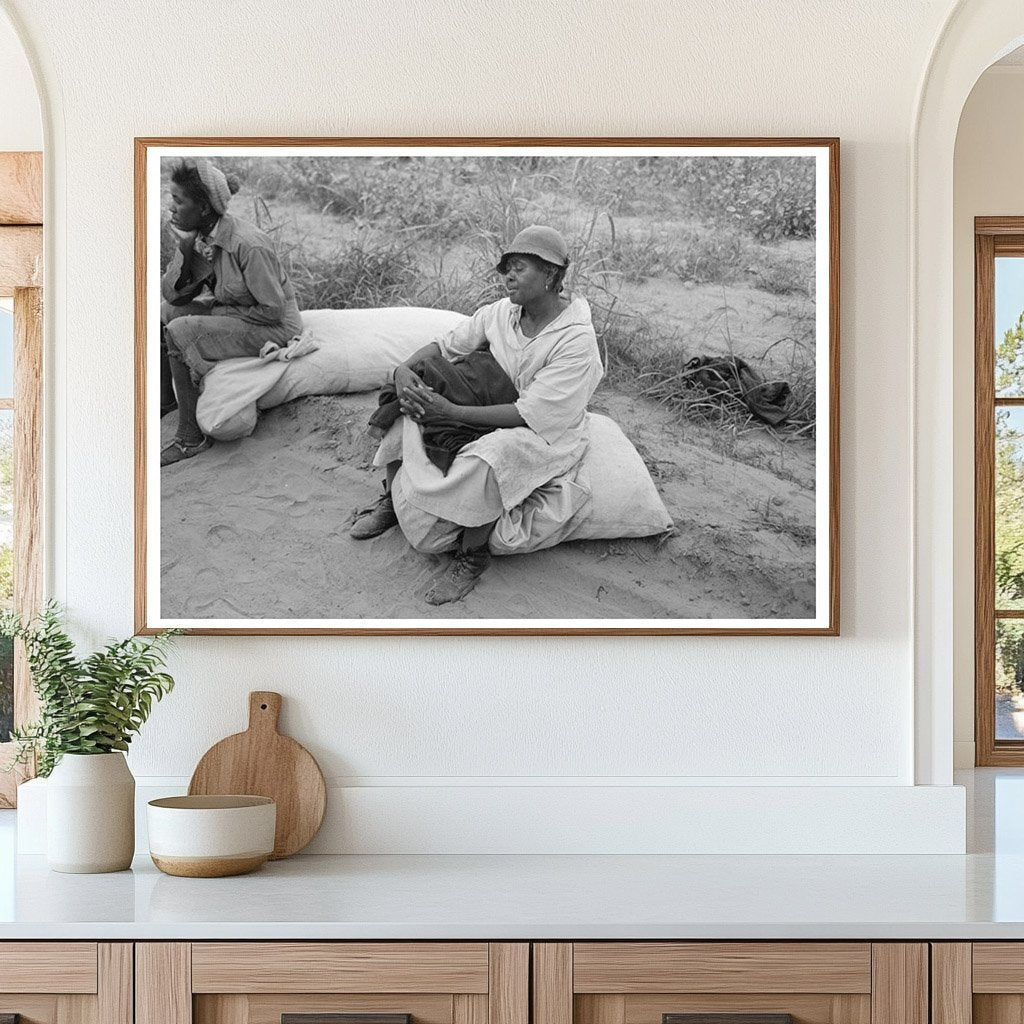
column 375, row 520
column 460, row 576
column 178, row 450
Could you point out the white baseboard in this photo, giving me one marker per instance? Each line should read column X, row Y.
column 480, row 819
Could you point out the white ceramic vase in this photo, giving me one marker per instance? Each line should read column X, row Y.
column 90, row 814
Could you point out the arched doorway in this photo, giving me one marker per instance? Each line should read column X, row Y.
column 976, row 34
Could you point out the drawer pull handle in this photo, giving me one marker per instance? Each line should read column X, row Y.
column 341, row 1018
column 727, row 1018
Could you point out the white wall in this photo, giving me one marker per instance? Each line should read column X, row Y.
column 21, row 127
column 430, row 716
column 987, row 182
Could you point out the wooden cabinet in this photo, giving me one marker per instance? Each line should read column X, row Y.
column 652, row 982
column 66, row 982
column 512, row 982
column 977, row 982
column 262, row 982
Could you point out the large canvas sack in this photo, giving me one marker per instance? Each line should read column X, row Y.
column 623, row 501
column 356, row 351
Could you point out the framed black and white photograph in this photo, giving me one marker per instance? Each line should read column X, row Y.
column 500, row 386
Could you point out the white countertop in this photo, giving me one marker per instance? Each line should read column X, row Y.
column 516, row 897
column 976, row 896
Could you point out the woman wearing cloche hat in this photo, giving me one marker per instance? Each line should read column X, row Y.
column 519, row 476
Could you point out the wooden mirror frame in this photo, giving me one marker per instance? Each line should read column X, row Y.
column 21, row 278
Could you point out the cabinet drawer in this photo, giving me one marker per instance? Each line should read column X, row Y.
column 634, row 967
column 733, row 982
column 340, row 967
column 66, row 982
column 65, row 967
column 332, row 983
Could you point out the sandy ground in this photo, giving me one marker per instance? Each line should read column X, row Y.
column 257, row 528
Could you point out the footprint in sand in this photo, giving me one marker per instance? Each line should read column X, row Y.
column 221, row 534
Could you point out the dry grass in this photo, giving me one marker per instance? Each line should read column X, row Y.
column 425, row 232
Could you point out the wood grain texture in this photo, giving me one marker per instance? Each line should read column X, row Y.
column 143, row 143
column 727, row 1018
column 634, row 967
column 65, row 967
column 998, row 226
column 21, row 188
column 998, row 967
column 76, row 1009
column 115, row 997
column 899, row 973
column 508, row 994
column 552, row 983
column 468, row 1009
column 28, row 483
column 346, row 1018
column 998, row 1009
column 163, row 983
column 599, row 1009
column 304, row 967
column 31, row 1009
column 21, row 259
column 262, row 762
column 951, row 983
column 268, row 1009
column 984, row 502
column 806, row 1008
column 226, row 1009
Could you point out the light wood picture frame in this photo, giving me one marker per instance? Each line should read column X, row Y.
column 710, row 270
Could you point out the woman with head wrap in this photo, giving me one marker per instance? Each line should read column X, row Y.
column 225, row 296
column 520, row 473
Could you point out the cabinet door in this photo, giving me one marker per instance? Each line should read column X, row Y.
column 332, row 983
column 66, row 982
column 730, row 983
column 980, row 982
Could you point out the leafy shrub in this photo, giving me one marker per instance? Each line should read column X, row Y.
column 88, row 705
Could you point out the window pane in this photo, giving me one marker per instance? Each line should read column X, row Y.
column 6, row 571
column 6, row 353
column 1009, row 338
column 1009, row 679
column 1009, row 508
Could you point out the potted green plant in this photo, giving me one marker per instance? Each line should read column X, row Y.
column 89, row 710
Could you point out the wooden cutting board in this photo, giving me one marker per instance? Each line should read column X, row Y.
column 262, row 762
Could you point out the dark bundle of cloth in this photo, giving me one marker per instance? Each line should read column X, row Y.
column 474, row 379
column 767, row 400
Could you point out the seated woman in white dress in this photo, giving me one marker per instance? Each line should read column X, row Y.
column 547, row 346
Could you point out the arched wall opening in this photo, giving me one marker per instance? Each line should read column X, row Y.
column 976, row 35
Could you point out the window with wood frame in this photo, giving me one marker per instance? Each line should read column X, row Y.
column 21, row 362
column 999, row 490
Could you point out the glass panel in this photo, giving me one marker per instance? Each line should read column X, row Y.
column 6, row 568
column 1009, row 538
column 1009, row 338
column 6, row 353
column 1009, row 679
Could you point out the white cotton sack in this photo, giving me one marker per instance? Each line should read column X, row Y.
column 227, row 405
column 357, row 349
column 611, row 492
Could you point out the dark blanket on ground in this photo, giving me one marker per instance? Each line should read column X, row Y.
column 474, row 379
column 735, row 377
